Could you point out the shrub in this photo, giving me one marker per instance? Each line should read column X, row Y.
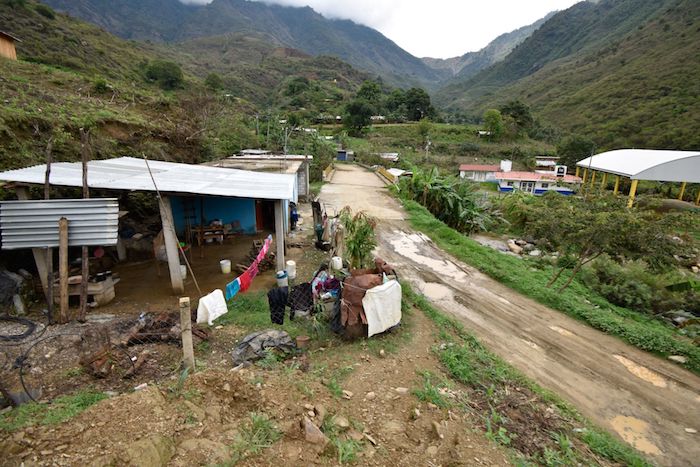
column 214, row 81
column 167, row 74
column 629, row 285
column 45, row 11
column 100, row 86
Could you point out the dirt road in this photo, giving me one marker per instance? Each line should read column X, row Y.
column 648, row 401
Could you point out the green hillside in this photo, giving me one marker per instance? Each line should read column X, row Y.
column 298, row 28
column 622, row 72
column 71, row 74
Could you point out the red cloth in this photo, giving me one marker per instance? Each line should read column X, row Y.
column 245, row 280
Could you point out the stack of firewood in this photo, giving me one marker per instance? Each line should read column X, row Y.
column 267, row 263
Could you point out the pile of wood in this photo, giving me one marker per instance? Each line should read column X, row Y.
column 266, row 264
column 163, row 327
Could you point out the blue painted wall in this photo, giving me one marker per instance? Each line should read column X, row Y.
column 225, row 209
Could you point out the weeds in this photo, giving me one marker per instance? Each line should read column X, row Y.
column 258, row 434
column 60, row 410
column 430, row 392
column 347, row 450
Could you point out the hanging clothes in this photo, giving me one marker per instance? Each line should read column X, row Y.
column 242, row 282
column 211, row 307
column 277, row 299
column 232, row 288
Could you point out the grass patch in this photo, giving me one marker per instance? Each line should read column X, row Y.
column 258, row 434
column 61, row 409
column 576, row 301
column 492, row 379
column 430, row 392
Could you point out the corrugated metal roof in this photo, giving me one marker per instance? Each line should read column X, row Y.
column 648, row 164
column 129, row 173
column 34, row 223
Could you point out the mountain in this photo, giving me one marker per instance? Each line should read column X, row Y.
column 297, row 28
column 471, row 63
column 621, row 71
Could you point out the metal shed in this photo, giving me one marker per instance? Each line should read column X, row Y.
column 132, row 174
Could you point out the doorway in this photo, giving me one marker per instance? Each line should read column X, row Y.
column 528, row 187
column 264, row 215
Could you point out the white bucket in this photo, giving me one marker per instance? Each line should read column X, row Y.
column 336, row 263
column 183, row 271
column 282, row 279
column 291, row 269
column 225, row 266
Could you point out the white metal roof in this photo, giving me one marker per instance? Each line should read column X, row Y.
column 128, row 173
column 648, row 164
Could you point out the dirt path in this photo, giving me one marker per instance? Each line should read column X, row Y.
column 649, row 402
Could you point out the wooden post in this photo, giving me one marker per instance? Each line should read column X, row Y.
column 680, row 195
column 63, row 268
column 577, row 170
column 279, row 234
column 39, row 253
column 633, row 192
column 585, row 174
column 604, row 182
column 697, row 199
column 84, row 259
column 186, row 328
column 171, row 248
column 617, row 184
column 592, row 178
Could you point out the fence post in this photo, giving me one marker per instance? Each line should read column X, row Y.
column 186, row 327
column 63, row 268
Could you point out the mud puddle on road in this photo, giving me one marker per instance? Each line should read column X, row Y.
column 642, row 372
column 635, row 432
column 435, row 291
column 409, row 246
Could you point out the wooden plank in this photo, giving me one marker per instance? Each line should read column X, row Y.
column 186, row 329
column 63, row 268
column 279, row 234
column 171, row 248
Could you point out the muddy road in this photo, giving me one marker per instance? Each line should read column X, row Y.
column 647, row 401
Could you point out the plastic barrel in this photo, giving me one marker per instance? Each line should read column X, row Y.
column 291, row 269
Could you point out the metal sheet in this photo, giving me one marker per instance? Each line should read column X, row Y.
column 34, row 223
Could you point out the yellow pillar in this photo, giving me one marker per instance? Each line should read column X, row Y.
column 680, row 196
column 697, row 200
column 617, row 184
column 603, row 183
column 577, row 170
column 592, row 178
column 585, row 174
column 633, row 192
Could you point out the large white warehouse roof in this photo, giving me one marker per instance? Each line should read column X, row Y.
column 647, row 164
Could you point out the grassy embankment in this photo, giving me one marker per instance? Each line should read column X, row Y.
column 576, row 301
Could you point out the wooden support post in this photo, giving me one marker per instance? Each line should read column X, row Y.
column 617, row 184
column 186, row 330
column 697, row 198
column 279, row 234
column 633, row 192
column 39, row 253
column 171, row 247
column 578, row 169
column 680, row 195
column 585, row 174
column 85, row 260
column 63, row 268
column 604, row 182
column 592, row 178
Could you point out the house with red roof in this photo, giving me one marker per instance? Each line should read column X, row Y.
column 538, row 183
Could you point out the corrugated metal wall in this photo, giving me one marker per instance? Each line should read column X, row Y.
column 34, row 223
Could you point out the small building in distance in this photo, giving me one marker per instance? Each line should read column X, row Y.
column 7, row 45
column 389, row 156
column 546, row 163
column 537, row 183
column 345, row 155
column 478, row 172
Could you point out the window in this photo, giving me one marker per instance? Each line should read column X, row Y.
column 545, row 185
column 510, row 183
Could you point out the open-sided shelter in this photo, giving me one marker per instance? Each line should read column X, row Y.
column 227, row 190
column 644, row 164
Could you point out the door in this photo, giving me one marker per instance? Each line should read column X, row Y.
column 528, row 187
column 259, row 216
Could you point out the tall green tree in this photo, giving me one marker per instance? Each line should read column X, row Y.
column 358, row 113
column 493, row 123
column 418, row 105
column 167, row 74
column 520, row 114
column 371, row 92
column 573, row 148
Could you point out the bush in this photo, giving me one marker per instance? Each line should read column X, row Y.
column 214, row 81
column 100, row 86
column 45, row 11
column 167, row 74
column 629, row 285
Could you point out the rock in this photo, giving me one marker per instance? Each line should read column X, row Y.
column 308, row 407
column 211, row 451
column 535, row 253
column 141, row 386
column 196, row 411
column 347, row 394
column 402, row 391
column 528, row 247
column 432, row 406
column 520, row 243
column 320, row 411
column 382, row 353
column 514, row 248
column 154, row 451
column 354, row 435
column 432, row 451
column 370, row 439
column 393, row 427
column 437, row 430
column 695, row 269
column 312, row 433
column 692, row 431
column 213, row 413
column 370, row 396
column 678, row 358
column 311, row 413
column 341, row 422
column 227, row 387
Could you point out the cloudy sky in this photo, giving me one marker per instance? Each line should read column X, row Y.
column 435, row 28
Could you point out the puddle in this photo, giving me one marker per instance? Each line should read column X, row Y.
column 561, row 331
column 642, row 372
column 435, row 291
column 407, row 245
column 634, row 431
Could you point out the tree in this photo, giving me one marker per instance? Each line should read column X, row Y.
column 573, row 148
column 493, row 122
column 418, row 105
column 358, row 113
column 214, row 81
column 371, row 92
column 521, row 115
column 167, row 74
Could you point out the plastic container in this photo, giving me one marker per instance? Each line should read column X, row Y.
column 336, row 263
column 282, row 280
column 183, row 271
column 225, row 266
column 303, row 342
column 291, row 269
